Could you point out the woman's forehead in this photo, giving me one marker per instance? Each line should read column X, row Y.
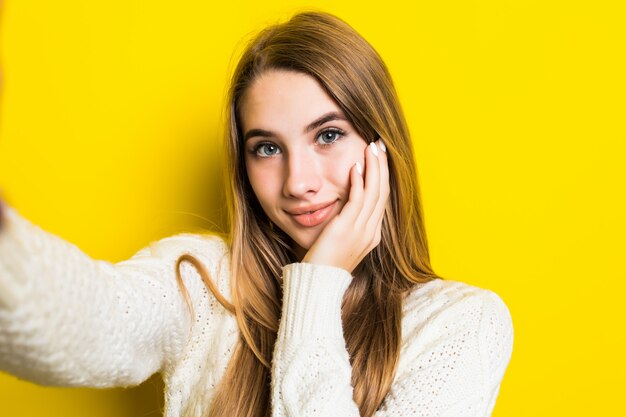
column 284, row 99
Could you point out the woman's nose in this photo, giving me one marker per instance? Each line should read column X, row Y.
column 302, row 175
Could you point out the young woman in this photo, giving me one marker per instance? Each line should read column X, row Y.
column 320, row 302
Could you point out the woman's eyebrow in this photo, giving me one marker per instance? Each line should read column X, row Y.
column 333, row 115
column 257, row 132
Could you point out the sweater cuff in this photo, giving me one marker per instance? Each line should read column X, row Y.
column 312, row 297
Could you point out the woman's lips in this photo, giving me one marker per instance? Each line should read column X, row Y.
column 315, row 218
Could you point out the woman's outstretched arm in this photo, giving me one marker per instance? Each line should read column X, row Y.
column 69, row 320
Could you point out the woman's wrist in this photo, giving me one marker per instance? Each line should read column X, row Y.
column 312, row 299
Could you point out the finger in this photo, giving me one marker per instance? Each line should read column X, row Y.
column 378, row 234
column 355, row 198
column 384, row 178
column 372, row 183
column 384, row 169
column 381, row 203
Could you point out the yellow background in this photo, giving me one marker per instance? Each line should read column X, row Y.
column 110, row 138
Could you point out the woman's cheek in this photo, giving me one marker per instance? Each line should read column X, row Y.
column 255, row 177
column 342, row 172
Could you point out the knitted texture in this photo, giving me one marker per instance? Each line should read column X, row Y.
column 69, row 320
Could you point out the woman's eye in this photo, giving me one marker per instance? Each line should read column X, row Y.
column 266, row 149
column 329, row 137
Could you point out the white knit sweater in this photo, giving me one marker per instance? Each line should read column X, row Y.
column 69, row 320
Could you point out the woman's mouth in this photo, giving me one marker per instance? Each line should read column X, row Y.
column 314, row 217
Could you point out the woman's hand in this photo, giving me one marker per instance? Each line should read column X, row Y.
column 356, row 230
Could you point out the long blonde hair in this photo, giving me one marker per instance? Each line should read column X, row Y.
column 353, row 74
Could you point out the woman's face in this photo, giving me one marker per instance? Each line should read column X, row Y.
column 299, row 149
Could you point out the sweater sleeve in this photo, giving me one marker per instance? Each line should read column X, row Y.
column 311, row 371
column 451, row 365
column 69, row 320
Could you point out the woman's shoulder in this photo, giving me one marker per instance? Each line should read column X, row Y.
column 211, row 250
column 206, row 243
column 459, row 316
column 449, row 297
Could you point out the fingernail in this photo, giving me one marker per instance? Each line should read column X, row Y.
column 382, row 145
column 374, row 148
column 358, row 168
